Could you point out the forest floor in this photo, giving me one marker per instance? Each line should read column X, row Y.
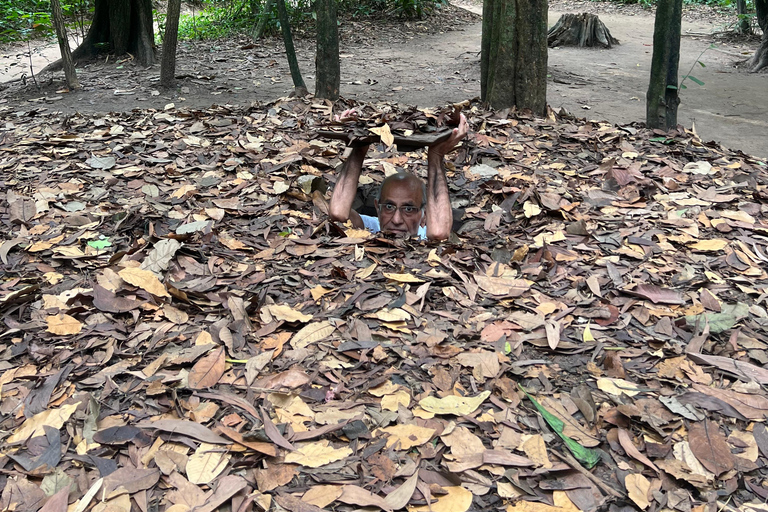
column 435, row 62
column 185, row 329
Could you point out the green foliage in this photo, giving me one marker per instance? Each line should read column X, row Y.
column 399, row 8
column 219, row 18
column 25, row 19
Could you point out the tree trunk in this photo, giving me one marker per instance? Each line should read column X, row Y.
column 760, row 59
column 583, row 30
column 66, row 53
column 662, row 98
column 168, row 63
column 118, row 26
column 513, row 61
column 299, row 88
column 744, row 26
column 327, row 67
column 261, row 26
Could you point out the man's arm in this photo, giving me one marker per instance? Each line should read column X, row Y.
column 439, row 212
column 346, row 189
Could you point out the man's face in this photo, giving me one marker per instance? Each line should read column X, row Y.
column 400, row 206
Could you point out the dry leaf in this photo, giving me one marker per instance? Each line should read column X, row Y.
column 314, row 455
column 208, row 370
column 145, row 280
column 208, row 462
column 407, row 436
column 637, row 489
column 63, row 324
column 456, row 405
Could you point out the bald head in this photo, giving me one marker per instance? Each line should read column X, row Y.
column 401, row 203
column 406, row 181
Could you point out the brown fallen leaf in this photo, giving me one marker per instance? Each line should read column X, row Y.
column 208, row 370
column 709, row 446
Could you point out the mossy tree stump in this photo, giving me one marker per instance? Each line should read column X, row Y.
column 580, row 30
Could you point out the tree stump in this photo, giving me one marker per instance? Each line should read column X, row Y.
column 580, row 30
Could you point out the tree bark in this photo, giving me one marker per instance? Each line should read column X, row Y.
column 261, row 26
column 513, row 61
column 327, row 66
column 662, row 98
column 66, row 53
column 118, row 26
column 760, row 59
column 299, row 88
column 582, row 30
column 168, row 63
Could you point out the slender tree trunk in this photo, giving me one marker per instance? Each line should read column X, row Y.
column 299, row 88
column 744, row 26
column 262, row 24
column 760, row 59
column 144, row 43
column 66, row 53
column 513, row 61
column 168, row 63
column 327, row 66
column 662, row 98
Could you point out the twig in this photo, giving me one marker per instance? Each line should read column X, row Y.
column 32, row 71
column 568, row 459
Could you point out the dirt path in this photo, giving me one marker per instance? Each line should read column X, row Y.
column 399, row 64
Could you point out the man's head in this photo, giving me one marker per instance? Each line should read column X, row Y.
column 401, row 203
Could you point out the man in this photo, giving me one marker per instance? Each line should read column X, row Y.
column 404, row 204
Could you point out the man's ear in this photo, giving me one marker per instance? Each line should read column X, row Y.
column 376, row 205
column 423, row 221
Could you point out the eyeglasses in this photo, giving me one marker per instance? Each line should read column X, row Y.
column 405, row 210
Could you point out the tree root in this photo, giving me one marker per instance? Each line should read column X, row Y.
column 759, row 60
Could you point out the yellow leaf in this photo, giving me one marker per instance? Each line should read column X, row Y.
column 715, row 244
column 231, row 243
column 322, row 495
column 561, row 500
column 287, row 313
column 407, row 436
column 34, row 426
column 637, row 488
column 69, row 251
column 365, row 272
column 387, row 388
column 617, row 386
column 63, row 324
column 531, row 209
column 588, row 334
column 392, row 402
column 145, row 280
column 391, row 315
column 452, row 404
column 385, row 133
column 318, row 291
column 314, row 455
column 357, row 233
column 403, row 278
column 536, row 449
column 206, row 463
column 457, row 499
column 433, row 259
column 311, row 333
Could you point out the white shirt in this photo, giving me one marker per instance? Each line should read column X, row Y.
column 372, row 225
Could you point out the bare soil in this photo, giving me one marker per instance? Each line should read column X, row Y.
column 429, row 63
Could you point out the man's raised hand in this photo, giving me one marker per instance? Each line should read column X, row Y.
column 445, row 147
column 348, row 115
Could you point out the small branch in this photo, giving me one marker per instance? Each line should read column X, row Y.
column 568, row 459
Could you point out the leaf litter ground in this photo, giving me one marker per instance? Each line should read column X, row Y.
column 186, row 330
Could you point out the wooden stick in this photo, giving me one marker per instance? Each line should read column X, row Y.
column 568, row 459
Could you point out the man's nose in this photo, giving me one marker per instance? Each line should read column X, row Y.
column 397, row 218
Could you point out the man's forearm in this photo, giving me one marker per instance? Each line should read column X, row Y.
column 439, row 212
column 346, row 186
